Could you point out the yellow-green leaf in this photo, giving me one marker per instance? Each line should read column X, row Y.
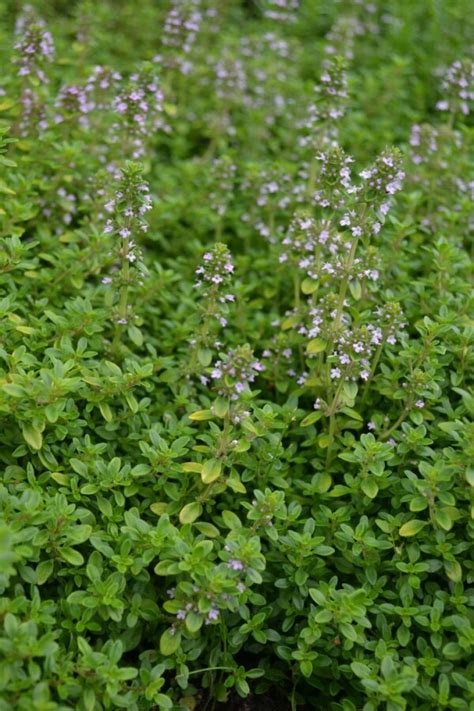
column 207, row 529
column 60, row 478
column 290, row 322
column 33, row 436
column 311, row 419
column 105, row 411
column 411, row 528
column 221, row 407
column 190, row 512
column 309, row 286
column 201, row 415
column 169, row 642
column 443, row 519
column 195, row 467
column 370, row 488
column 325, row 440
column 159, row 508
column 453, row 570
column 211, row 471
column 316, row 345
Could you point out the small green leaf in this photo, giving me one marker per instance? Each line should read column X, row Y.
column 78, row 466
column 211, row 471
column 360, row 670
column 316, row 345
column 411, row 528
column 325, row 440
column 13, row 390
column 290, row 322
column 33, row 436
column 71, row 556
column 231, row 520
column 195, row 467
column 443, row 519
column 193, row 622
column 322, row 482
column 207, row 529
column 418, row 503
column 200, row 415
column 204, row 356
column 309, row 286
column 60, row 478
column 159, row 508
column 170, row 642
column 135, row 335
column 166, row 567
column 43, row 571
column 190, row 512
column 310, row 419
column 370, row 488
column 351, row 413
column 221, row 407
column 355, row 289
column 453, row 570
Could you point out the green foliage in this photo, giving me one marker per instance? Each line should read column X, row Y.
column 235, row 381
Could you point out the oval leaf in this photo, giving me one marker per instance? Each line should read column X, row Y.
column 211, row 471
column 190, row 512
column 411, row 528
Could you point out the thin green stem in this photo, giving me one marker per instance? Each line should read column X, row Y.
column 397, row 424
column 345, row 284
column 375, row 363
column 297, row 289
column 123, row 297
column 201, row 671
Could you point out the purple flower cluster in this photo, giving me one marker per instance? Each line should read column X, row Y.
column 235, row 564
column 266, row 83
column 318, row 129
column 213, row 278
column 355, row 346
column 318, row 320
column 334, row 262
column 354, row 350
column 235, row 371
column 34, row 46
column 127, row 210
column 138, row 107
column 332, row 95
column 212, row 614
column 216, row 270
column 181, row 27
column 67, row 203
column 230, row 78
column 334, row 186
column 384, row 179
column 272, row 192
column 424, row 142
column 222, row 176
column 33, row 113
column 101, row 85
column 341, row 37
column 281, row 10
column 33, row 51
column 301, row 240
column 73, row 101
column 458, row 88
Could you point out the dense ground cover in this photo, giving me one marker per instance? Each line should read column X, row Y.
column 236, row 355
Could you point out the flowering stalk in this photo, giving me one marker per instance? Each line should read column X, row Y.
column 213, row 279
column 128, row 207
column 33, row 51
